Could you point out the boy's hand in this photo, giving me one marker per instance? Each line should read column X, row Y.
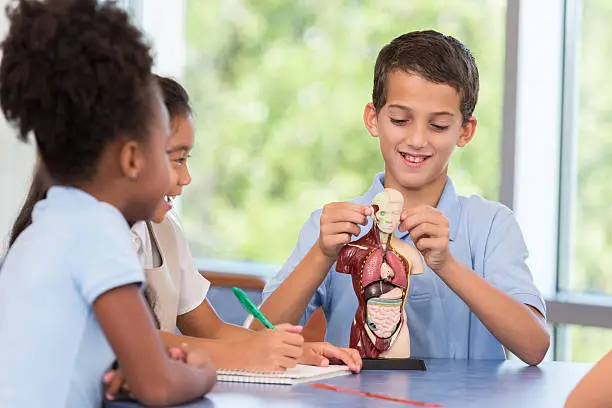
column 339, row 222
column 428, row 228
column 320, row 354
column 272, row 350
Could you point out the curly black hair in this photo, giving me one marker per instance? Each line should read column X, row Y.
column 175, row 97
column 177, row 103
column 78, row 75
column 41, row 182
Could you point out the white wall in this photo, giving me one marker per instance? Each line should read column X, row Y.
column 17, row 159
column 16, row 162
column 169, row 41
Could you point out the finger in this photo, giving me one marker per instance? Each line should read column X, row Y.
column 185, row 350
column 291, row 351
column 429, row 244
column 344, row 227
column 108, row 377
column 357, row 214
column 292, row 339
column 343, row 205
column 125, row 388
column 295, row 329
column 336, row 241
column 295, row 339
column 291, row 328
column 331, row 351
column 285, row 362
column 426, row 215
column 348, row 359
column 411, row 222
column 428, row 229
column 357, row 358
column 176, row 353
column 432, row 216
column 340, row 239
column 312, row 357
column 408, row 212
column 114, row 386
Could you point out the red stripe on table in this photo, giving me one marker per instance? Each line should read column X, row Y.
column 372, row 395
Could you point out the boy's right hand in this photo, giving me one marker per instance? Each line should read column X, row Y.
column 272, row 350
column 339, row 222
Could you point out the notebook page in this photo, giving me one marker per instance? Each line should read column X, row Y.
column 298, row 374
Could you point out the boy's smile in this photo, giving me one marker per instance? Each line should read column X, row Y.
column 414, row 160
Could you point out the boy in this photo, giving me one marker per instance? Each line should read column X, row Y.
column 477, row 293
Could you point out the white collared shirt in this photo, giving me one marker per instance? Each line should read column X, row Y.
column 177, row 286
column 484, row 235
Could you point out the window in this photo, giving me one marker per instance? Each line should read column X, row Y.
column 586, row 240
column 592, row 223
column 279, row 90
column 582, row 343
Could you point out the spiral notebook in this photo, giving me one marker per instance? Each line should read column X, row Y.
column 296, row 375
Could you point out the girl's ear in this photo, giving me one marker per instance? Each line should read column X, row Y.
column 131, row 159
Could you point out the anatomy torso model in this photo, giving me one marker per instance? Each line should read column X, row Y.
column 381, row 265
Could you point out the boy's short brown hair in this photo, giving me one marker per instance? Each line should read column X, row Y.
column 436, row 57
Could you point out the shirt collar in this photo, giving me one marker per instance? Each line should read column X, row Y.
column 139, row 240
column 65, row 198
column 448, row 204
column 139, row 233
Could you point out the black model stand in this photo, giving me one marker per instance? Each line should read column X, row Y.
column 393, row 364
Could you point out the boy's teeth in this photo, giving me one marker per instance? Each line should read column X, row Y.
column 414, row 159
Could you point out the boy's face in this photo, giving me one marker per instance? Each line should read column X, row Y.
column 180, row 145
column 418, row 127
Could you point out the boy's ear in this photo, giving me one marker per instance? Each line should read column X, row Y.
column 370, row 119
column 131, row 160
column 467, row 131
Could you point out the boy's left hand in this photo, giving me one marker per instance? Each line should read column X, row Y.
column 320, row 354
column 428, row 228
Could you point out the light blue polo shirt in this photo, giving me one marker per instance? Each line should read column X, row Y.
column 484, row 235
column 53, row 352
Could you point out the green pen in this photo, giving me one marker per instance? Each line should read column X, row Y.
column 251, row 308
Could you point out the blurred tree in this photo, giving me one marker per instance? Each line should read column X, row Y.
column 279, row 89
